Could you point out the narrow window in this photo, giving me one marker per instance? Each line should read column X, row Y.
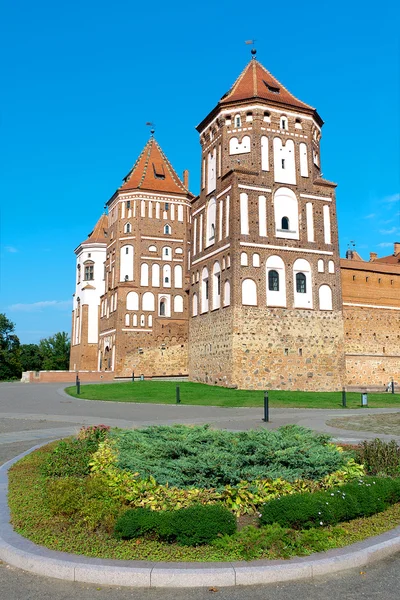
column 206, row 288
column 238, row 121
column 127, row 250
column 301, row 287
column 162, row 308
column 166, row 206
column 283, row 163
column 285, row 223
column 167, row 229
column 128, row 204
column 273, row 281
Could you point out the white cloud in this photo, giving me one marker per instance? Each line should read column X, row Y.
column 392, row 198
column 371, row 216
column 385, row 244
column 391, row 231
column 43, row 305
column 10, row 249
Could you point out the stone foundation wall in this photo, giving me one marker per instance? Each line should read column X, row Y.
column 372, row 371
column 65, row 376
column 280, row 349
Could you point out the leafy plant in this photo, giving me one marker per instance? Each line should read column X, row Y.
column 366, row 497
column 70, row 458
column 379, row 457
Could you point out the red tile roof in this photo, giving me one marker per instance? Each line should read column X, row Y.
column 256, row 82
column 99, row 233
column 153, row 172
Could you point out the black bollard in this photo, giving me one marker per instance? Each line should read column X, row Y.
column 78, row 385
column 133, row 376
column 392, row 386
column 178, row 395
column 344, row 397
column 266, row 407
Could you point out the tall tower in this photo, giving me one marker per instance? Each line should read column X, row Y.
column 144, row 310
column 89, row 287
column 265, row 294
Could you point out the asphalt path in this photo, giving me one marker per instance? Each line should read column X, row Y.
column 30, row 414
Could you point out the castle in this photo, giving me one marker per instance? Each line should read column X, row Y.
column 242, row 285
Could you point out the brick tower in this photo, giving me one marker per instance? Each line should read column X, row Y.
column 89, row 287
column 144, row 311
column 265, row 291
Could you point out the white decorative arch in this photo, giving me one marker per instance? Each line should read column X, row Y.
column 167, row 253
column 331, row 266
column 227, row 293
column 249, row 292
column 167, row 275
column 211, row 218
column 216, row 286
column 211, row 170
column 256, row 259
column 144, row 274
column 155, row 275
column 325, row 297
column 180, row 213
column 204, row 290
column 132, row 301
column 194, row 305
column 244, row 260
column 284, row 161
column 303, row 159
column 286, row 206
column 178, row 304
column 134, row 320
column 327, row 224
column 244, row 213
column 264, row 153
column 126, row 263
column 320, row 266
column 178, row 276
column 302, row 286
column 276, row 281
column 148, row 301
column 243, row 147
column 152, row 248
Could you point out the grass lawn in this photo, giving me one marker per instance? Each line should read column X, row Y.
column 164, row 392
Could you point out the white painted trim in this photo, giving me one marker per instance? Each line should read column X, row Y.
column 210, row 254
column 136, row 329
column 250, row 244
column 107, row 332
column 316, row 197
column 133, row 237
column 198, row 210
column 371, row 305
column 123, row 196
column 164, row 239
column 224, row 191
column 177, row 260
column 253, row 187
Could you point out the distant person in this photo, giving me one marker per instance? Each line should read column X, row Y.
column 389, row 387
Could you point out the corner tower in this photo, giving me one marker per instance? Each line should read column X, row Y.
column 144, row 310
column 266, row 308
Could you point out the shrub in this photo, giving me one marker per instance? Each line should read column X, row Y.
column 352, row 500
column 70, row 458
column 94, row 433
column 201, row 524
column 64, row 496
column 379, row 457
column 188, row 526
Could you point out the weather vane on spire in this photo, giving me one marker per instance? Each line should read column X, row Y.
column 152, row 125
column 251, row 43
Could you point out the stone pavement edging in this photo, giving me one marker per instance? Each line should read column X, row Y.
column 24, row 554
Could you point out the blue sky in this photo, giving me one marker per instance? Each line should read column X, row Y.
column 80, row 80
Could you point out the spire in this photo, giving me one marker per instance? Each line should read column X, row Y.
column 153, row 172
column 99, row 233
column 256, row 82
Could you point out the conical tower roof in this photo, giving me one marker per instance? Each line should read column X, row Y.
column 99, row 233
column 153, row 172
column 256, row 82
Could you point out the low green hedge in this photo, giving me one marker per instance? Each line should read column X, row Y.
column 362, row 499
column 192, row 526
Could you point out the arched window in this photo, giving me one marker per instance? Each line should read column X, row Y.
column 249, row 292
column 301, row 283
column 178, row 276
column 285, row 223
column 167, row 229
column 162, row 308
column 127, row 228
column 204, row 290
column 325, row 297
column 216, row 289
column 132, row 301
column 244, row 261
column 211, row 221
column 194, row 305
column 148, row 301
column 273, row 281
column 178, row 304
column 167, row 275
column 227, row 293
column 166, row 253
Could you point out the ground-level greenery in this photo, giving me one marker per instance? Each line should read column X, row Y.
column 164, row 392
column 68, row 497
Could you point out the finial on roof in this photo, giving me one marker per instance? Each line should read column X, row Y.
column 253, row 50
column 152, row 125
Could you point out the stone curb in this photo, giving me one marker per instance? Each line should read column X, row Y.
column 24, row 554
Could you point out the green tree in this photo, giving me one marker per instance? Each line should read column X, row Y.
column 31, row 357
column 55, row 351
column 10, row 365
